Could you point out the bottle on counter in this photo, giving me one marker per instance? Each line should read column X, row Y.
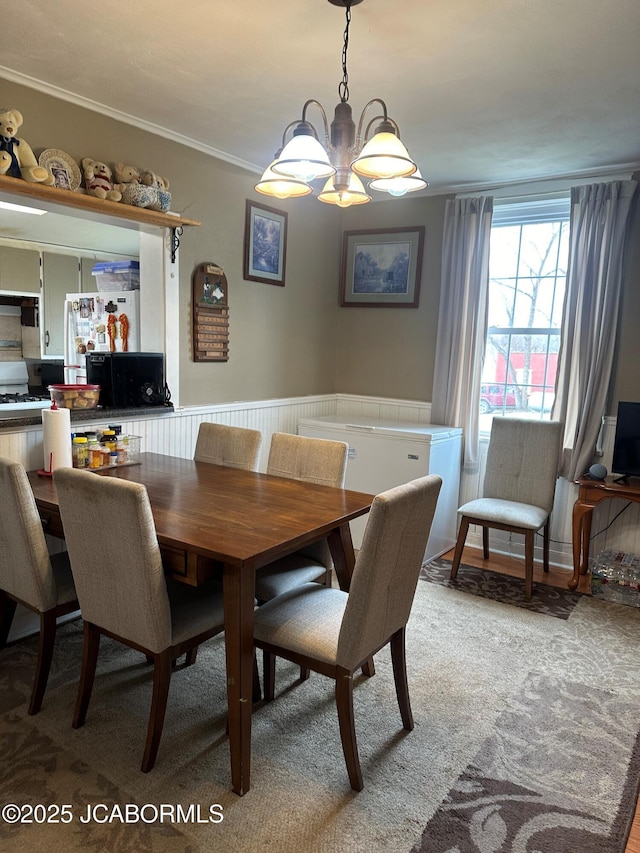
column 79, row 452
column 95, row 453
column 109, row 439
column 123, row 451
column 113, row 458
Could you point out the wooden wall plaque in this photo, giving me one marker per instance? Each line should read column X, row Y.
column 209, row 300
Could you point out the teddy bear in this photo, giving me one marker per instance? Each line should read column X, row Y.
column 97, row 180
column 129, row 184
column 16, row 156
column 150, row 179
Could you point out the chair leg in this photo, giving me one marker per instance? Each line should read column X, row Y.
column 90, row 648
column 161, row 682
column 399, row 661
column 304, row 673
column 485, row 542
column 7, row 611
column 344, row 702
column 528, row 563
column 192, row 654
column 45, row 655
column 546, row 539
column 269, row 675
column 457, row 554
column 369, row 668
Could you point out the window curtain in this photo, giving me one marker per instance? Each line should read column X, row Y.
column 462, row 319
column 599, row 215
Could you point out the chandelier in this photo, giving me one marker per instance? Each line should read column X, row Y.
column 347, row 156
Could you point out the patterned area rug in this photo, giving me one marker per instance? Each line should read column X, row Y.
column 550, row 600
column 525, row 741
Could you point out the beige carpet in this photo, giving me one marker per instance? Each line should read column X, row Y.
column 544, row 708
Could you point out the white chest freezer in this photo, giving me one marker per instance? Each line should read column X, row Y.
column 385, row 453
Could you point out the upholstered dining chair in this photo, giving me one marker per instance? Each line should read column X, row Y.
column 28, row 575
column 236, row 447
column 335, row 632
column 519, row 488
column 315, row 460
column 123, row 594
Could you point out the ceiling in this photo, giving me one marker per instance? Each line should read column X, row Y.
column 485, row 92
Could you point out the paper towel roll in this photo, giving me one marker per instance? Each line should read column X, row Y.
column 56, row 439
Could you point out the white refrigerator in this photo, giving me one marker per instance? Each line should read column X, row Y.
column 386, row 453
column 98, row 322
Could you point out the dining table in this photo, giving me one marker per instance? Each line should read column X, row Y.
column 219, row 521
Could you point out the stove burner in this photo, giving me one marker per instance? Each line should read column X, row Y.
column 23, row 398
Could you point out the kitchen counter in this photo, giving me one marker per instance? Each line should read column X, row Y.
column 34, row 417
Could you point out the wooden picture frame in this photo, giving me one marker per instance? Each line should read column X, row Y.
column 265, row 244
column 382, row 268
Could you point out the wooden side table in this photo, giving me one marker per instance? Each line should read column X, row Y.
column 591, row 493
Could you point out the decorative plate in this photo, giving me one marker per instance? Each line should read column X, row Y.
column 62, row 167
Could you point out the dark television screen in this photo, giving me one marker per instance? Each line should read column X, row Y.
column 626, row 447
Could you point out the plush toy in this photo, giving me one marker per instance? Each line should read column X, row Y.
column 150, row 179
column 97, row 180
column 133, row 192
column 125, row 175
column 16, row 157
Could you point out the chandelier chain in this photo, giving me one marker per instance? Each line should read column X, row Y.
column 343, row 87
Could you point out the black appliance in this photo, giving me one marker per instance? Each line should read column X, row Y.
column 127, row 379
column 51, row 373
column 626, row 445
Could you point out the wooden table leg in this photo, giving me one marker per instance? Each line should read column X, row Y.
column 581, row 533
column 238, row 591
column 341, row 547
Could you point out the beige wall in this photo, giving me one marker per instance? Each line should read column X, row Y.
column 390, row 352
column 282, row 340
column 294, row 340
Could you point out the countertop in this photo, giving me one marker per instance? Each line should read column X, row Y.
column 34, row 417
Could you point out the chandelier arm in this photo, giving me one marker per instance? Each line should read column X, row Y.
column 363, row 113
column 324, row 118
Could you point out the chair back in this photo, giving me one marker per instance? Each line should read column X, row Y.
column 25, row 567
column 387, row 568
column 522, row 461
column 115, row 557
column 236, row 447
column 316, row 460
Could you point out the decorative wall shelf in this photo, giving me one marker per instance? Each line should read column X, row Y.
column 90, row 204
column 210, row 305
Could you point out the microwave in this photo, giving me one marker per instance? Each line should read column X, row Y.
column 127, row 379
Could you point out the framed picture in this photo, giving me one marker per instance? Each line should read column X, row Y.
column 265, row 244
column 382, row 268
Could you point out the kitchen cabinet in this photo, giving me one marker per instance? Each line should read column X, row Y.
column 60, row 275
column 19, row 270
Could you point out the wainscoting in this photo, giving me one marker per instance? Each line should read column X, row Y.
column 176, row 433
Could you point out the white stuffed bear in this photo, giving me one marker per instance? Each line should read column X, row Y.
column 16, row 157
column 97, row 180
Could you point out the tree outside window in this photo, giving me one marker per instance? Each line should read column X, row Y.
column 527, row 275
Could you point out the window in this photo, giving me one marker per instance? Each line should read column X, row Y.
column 527, row 275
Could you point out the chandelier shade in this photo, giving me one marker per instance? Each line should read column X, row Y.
column 345, row 155
column 384, row 156
column 304, row 159
column 355, row 193
column 400, row 186
column 280, row 186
